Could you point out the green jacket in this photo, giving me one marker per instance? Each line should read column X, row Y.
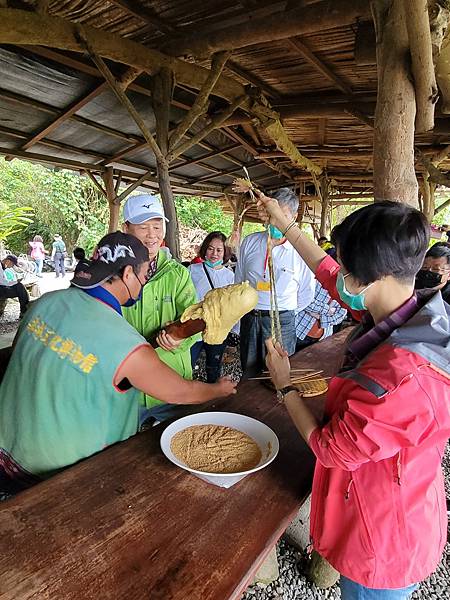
column 164, row 298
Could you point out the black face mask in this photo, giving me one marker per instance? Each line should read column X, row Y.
column 427, row 279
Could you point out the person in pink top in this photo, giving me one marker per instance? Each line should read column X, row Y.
column 38, row 252
column 378, row 509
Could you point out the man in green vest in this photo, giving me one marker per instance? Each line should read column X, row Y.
column 167, row 293
column 86, row 367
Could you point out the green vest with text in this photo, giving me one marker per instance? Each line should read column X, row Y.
column 58, row 403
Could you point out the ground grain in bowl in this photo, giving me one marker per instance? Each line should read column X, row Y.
column 215, row 449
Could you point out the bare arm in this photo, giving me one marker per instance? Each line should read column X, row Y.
column 147, row 373
column 279, row 367
column 269, row 211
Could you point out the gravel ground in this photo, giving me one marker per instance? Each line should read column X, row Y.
column 9, row 322
column 293, row 585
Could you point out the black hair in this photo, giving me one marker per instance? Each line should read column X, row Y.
column 214, row 235
column 79, row 253
column 382, row 239
column 439, row 250
column 323, row 237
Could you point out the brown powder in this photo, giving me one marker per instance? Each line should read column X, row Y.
column 215, row 449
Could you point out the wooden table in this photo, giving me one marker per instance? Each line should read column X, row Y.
column 127, row 523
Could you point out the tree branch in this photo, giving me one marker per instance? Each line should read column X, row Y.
column 214, row 124
column 201, row 102
column 120, row 94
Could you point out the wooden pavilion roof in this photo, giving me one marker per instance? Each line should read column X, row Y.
column 56, row 108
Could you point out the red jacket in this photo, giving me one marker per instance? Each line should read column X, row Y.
column 378, row 511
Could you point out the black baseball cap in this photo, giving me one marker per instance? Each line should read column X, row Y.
column 12, row 258
column 114, row 252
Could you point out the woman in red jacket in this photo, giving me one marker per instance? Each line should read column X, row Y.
column 378, row 503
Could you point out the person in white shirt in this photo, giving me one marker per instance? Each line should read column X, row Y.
column 9, row 286
column 206, row 276
column 294, row 285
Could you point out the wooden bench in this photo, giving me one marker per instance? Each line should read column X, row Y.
column 127, row 523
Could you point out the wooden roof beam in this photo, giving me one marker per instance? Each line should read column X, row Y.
column 50, row 160
column 25, row 101
column 300, row 48
column 250, row 78
column 200, row 159
column 228, row 172
column 317, row 17
column 22, row 27
column 70, row 110
column 141, row 12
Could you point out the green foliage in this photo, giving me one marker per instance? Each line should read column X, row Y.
column 62, row 201
column 208, row 215
column 13, row 219
column 46, row 201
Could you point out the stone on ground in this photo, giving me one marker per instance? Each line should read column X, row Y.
column 268, row 572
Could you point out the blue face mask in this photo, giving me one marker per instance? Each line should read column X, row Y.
column 275, row 233
column 213, row 264
column 132, row 301
column 353, row 301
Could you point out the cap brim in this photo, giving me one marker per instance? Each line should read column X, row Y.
column 139, row 219
column 88, row 276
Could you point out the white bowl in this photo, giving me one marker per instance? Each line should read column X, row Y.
column 263, row 436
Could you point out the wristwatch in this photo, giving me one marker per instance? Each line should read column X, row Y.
column 282, row 393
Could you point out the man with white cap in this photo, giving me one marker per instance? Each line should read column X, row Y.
column 168, row 292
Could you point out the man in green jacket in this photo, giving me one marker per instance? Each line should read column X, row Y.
column 168, row 292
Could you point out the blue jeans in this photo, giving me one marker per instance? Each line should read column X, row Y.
column 214, row 355
column 255, row 330
column 350, row 590
column 165, row 412
column 39, row 263
column 59, row 264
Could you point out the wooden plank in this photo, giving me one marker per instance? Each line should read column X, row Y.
column 131, row 524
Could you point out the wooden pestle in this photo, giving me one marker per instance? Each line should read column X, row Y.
column 181, row 331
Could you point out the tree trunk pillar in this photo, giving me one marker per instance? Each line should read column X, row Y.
column 114, row 205
column 394, row 175
column 165, row 190
column 162, row 88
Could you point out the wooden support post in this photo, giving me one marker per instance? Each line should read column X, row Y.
column 114, row 205
column 100, row 188
column 323, row 188
column 418, row 26
column 393, row 146
column 162, row 91
column 133, row 186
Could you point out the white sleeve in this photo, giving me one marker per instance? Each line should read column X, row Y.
column 306, row 288
column 239, row 275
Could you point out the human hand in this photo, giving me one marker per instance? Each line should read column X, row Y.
column 277, row 361
column 270, row 212
column 225, row 387
column 166, row 341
